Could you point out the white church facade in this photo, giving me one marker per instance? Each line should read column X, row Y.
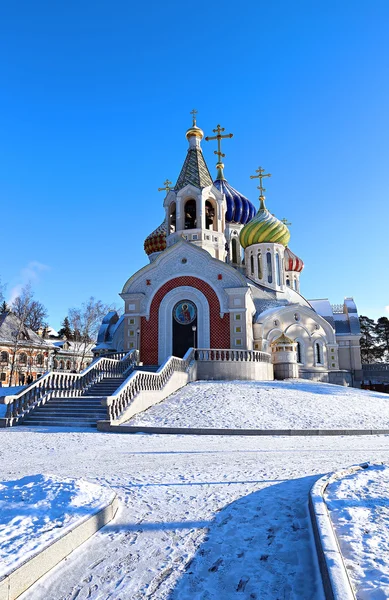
column 222, row 278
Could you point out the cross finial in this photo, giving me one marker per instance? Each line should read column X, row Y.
column 166, row 189
column 260, row 176
column 194, row 113
column 286, row 222
column 219, row 137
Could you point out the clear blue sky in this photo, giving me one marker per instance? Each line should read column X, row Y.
column 94, row 104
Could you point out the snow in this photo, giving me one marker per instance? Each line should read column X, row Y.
column 38, row 509
column 269, row 405
column 359, row 509
column 205, row 517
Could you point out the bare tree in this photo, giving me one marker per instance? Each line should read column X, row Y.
column 20, row 332
column 85, row 323
column 30, row 311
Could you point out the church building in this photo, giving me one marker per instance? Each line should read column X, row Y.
column 222, row 279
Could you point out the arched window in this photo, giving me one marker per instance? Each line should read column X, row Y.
column 61, row 364
column 318, row 353
column 295, row 283
column 39, row 360
column 234, row 245
column 55, row 363
column 210, row 218
column 4, row 357
column 190, row 214
column 259, row 261
column 68, row 365
column 278, row 269
column 269, row 267
column 22, row 358
column 252, row 264
column 172, row 217
column 299, row 354
column 288, row 281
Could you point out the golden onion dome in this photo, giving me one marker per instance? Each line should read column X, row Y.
column 194, row 131
column 264, row 228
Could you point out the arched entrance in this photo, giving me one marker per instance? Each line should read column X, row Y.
column 184, row 327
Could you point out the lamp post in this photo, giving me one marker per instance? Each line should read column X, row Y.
column 194, row 335
column 137, row 339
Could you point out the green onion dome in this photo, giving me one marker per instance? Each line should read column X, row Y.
column 264, row 228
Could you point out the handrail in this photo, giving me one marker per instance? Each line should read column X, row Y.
column 146, row 381
column 231, row 355
column 66, row 384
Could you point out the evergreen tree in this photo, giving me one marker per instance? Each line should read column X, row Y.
column 382, row 332
column 4, row 308
column 369, row 346
column 66, row 329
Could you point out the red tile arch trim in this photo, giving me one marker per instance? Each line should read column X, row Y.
column 220, row 327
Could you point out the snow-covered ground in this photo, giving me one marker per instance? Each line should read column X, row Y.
column 200, row 518
column 269, row 405
column 359, row 509
column 37, row 509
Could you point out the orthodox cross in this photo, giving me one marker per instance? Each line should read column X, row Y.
column 219, row 138
column 194, row 113
column 260, row 176
column 166, row 189
column 286, row 222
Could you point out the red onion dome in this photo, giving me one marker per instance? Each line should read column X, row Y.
column 293, row 262
column 156, row 241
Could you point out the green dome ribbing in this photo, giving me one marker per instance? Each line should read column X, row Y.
column 264, row 227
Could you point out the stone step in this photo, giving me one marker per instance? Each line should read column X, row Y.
column 48, row 420
column 64, row 405
column 70, row 414
column 54, row 423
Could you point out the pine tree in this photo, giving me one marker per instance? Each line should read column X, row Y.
column 66, row 329
column 369, row 346
column 4, row 308
column 382, row 332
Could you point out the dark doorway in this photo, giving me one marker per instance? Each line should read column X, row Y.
column 184, row 320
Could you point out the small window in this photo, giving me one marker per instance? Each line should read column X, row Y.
column 238, row 342
column 4, row 357
column 22, row 358
column 195, row 237
column 131, row 321
column 288, row 282
column 3, row 376
column 237, row 317
column 61, row 364
column 39, row 360
column 132, row 332
column 234, row 245
column 252, row 264
column 55, row 364
column 68, row 365
column 269, row 268
column 318, row 353
column 132, row 345
column 299, row 353
column 278, row 269
column 238, row 330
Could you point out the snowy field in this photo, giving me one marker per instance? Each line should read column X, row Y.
column 359, row 509
column 36, row 510
column 269, row 405
column 200, row 517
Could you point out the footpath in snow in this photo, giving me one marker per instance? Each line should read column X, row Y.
column 359, row 510
column 37, row 509
column 269, row 405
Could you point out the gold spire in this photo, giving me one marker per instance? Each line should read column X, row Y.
column 194, row 130
column 219, row 137
column 260, row 176
column 167, row 187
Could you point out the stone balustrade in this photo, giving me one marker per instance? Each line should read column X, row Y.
column 146, row 381
column 225, row 355
column 65, row 385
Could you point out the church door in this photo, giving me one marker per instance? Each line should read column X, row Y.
column 184, row 320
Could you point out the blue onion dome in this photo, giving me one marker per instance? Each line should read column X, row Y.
column 239, row 208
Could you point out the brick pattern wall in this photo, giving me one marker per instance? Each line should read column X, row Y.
column 220, row 327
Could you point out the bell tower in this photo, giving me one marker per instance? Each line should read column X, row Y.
column 195, row 208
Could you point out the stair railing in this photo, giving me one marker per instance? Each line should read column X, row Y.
column 64, row 385
column 147, row 381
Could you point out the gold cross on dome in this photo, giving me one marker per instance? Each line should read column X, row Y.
column 194, row 113
column 260, row 176
column 219, row 137
column 286, row 222
column 166, row 189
